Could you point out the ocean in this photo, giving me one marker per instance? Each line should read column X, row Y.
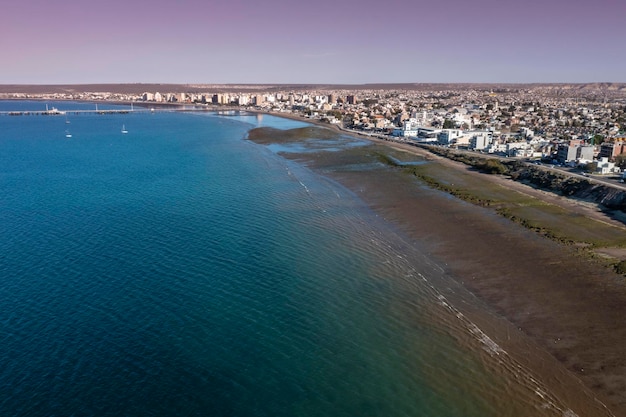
column 180, row 269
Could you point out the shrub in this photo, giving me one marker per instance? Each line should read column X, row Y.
column 620, row 267
column 492, row 166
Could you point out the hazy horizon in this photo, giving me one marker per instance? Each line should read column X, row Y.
column 280, row 42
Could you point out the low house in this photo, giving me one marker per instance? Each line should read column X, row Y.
column 605, row 167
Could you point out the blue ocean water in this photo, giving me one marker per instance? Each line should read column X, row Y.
column 180, row 269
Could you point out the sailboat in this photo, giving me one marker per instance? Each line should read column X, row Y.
column 124, row 131
column 68, row 134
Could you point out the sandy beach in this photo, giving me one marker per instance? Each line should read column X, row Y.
column 565, row 310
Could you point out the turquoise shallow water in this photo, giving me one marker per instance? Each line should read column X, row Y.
column 182, row 270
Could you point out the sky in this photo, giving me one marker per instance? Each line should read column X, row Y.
column 312, row 42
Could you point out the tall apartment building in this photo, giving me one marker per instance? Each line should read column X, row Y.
column 566, row 152
column 223, row 99
column 243, row 100
column 612, row 149
column 573, row 151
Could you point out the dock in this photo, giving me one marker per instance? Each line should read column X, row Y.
column 56, row 112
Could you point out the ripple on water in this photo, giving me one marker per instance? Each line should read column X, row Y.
column 190, row 266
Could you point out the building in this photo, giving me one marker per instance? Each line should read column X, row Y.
column 449, row 137
column 223, row 99
column 526, row 133
column 585, row 153
column 243, row 100
column 568, row 153
column 480, row 140
column 378, row 120
column 612, row 149
column 574, row 150
column 605, row 167
column 409, row 128
column 423, row 117
column 427, row 134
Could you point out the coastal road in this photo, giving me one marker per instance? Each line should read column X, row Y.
column 592, row 178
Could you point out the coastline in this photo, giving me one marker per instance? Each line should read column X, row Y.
column 566, row 310
column 543, row 299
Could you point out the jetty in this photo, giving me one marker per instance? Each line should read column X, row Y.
column 56, row 112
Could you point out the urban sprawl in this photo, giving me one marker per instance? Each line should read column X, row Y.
column 576, row 126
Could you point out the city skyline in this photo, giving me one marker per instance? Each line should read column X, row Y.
column 346, row 42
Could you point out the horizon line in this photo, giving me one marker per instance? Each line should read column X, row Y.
column 324, row 84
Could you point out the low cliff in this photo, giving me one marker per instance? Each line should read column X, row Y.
column 610, row 197
column 558, row 182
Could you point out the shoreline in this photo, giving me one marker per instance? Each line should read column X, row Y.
column 567, row 310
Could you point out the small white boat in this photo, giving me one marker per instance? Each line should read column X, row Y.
column 68, row 134
column 124, row 131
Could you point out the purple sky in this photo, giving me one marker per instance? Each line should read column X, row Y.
column 321, row 41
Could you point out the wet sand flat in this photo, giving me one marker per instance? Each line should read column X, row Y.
column 568, row 307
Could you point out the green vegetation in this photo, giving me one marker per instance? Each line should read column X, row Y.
column 487, row 165
column 620, row 267
column 386, row 159
column 548, row 220
column 458, row 192
column 591, row 167
column 539, row 178
column 492, row 166
column 597, row 140
column 272, row 135
column 449, row 124
column 397, row 158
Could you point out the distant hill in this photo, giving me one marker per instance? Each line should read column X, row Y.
column 140, row 88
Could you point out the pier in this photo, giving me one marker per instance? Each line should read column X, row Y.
column 56, row 112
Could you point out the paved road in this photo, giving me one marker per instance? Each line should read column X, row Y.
column 593, row 178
